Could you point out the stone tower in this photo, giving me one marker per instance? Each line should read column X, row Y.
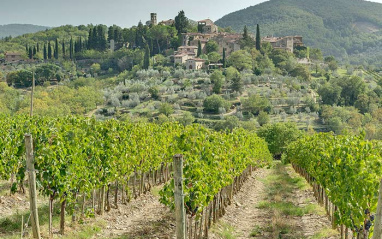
column 154, row 19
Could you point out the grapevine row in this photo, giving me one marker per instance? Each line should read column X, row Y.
column 348, row 168
column 77, row 156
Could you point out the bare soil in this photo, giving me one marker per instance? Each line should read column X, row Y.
column 145, row 217
column 243, row 217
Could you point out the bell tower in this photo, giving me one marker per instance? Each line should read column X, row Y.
column 154, row 19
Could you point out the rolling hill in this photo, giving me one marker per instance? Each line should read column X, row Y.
column 19, row 29
column 348, row 29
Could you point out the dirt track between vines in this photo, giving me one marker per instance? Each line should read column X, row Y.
column 244, row 216
column 146, row 217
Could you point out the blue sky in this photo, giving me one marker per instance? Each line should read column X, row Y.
column 124, row 13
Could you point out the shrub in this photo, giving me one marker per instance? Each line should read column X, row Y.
column 166, row 109
column 279, row 136
column 214, row 102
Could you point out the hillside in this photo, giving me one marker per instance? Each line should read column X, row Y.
column 347, row 29
column 63, row 32
column 19, row 29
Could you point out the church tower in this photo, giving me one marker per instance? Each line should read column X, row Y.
column 154, row 21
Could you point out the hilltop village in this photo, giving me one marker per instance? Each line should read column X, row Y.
column 194, row 44
column 187, row 54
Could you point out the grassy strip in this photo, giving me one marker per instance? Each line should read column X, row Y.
column 224, row 230
column 288, row 208
column 10, row 226
column 280, row 188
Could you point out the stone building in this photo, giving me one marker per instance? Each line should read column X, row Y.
column 169, row 22
column 285, row 43
column 13, row 57
column 153, row 18
column 229, row 42
column 195, row 64
column 207, row 26
column 188, row 49
column 192, row 39
column 180, row 58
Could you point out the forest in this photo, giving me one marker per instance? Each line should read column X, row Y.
column 349, row 30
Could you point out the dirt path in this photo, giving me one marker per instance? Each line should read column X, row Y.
column 91, row 113
column 274, row 203
column 312, row 225
column 145, row 217
column 242, row 215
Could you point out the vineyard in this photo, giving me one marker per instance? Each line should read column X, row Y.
column 78, row 160
column 345, row 174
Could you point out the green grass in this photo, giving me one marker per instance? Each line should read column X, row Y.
column 10, row 226
column 280, row 183
column 224, row 231
column 256, row 231
column 288, row 208
column 155, row 191
column 85, row 231
column 12, row 223
column 281, row 186
column 325, row 233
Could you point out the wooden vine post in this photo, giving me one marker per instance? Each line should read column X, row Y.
column 179, row 198
column 378, row 217
column 32, row 186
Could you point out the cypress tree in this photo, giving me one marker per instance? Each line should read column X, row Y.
column 34, row 51
column 94, row 43
column 152, row 47
column 181, row 22
column 90, row 38
column 102, row 41
column 30, row 53
column 49, row 51
column 63, row 48
column 38, row 47
column 110, row 34
column 80, row 45
column 45, row 53
column 224, row 60
column 26, row 48
column 56, row 49
column 139, row 33
column 75, row 46
column 258, row 38
column 245, row 34
column 118, row 34
column 146, row 61
column 199, row 48
column 71, row 48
